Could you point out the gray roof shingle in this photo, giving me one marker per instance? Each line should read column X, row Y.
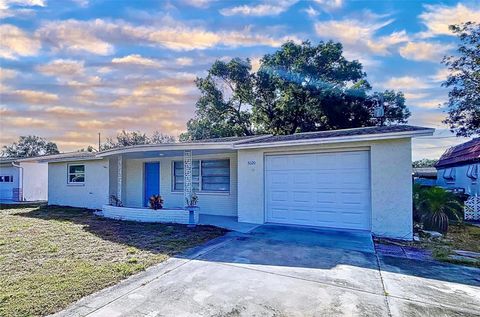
column 334, row 134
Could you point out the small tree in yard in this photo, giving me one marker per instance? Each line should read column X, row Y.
column 436, row 206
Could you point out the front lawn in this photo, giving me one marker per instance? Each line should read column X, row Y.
column 52, row 256
column 464, row 237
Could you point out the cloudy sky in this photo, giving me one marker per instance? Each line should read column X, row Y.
column 73, row 68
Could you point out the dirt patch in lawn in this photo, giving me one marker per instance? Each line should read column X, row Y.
column 463, row 237
column 51, row 256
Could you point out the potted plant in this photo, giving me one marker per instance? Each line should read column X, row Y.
column 156, row 202
column 191, row 206
column 114, row 201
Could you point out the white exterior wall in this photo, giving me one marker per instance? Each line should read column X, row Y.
column 6, row 189
column 224, row 204
column 391, row 183
column 92, row 194
column 35, row 181
column 461, row 180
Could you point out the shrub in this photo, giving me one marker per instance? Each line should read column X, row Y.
column 435, row 206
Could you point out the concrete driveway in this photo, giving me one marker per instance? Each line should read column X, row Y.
column 281, row 271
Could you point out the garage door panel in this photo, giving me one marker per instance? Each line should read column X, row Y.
column 301, row 162
column 278, row 178
column 279, row 196
column 301, row 196
column 302, row 178
column 323, row 189
column 279, row 214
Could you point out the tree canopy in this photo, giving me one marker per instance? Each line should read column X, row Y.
column 30, row 146
column 128, row 138
column 298, row 88
column 424, row 163
column 464, row 81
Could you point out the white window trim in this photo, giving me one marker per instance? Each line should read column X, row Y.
column 200, row 185
column 84, row 175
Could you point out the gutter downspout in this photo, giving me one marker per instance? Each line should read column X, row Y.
column 20, row 185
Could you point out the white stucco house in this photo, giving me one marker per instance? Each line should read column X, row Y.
column 457, row 168
column 357, row 179
column 23, row 179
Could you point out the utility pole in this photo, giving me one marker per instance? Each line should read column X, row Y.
column 99, row 142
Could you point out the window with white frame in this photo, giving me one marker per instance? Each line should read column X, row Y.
column 449, row 175
column 472, row 172
column 76, row 174
column 178, row 181
column 207, row 175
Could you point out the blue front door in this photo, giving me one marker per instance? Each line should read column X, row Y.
column 152, row 180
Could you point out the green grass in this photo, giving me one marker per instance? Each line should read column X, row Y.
column 52, row 256
column 459, row 237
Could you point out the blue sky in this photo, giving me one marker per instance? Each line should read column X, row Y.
column 73, row 68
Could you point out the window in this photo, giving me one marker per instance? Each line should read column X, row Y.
column 216, row 175
column 76, row 174
column 472, row 172
column 178, row 175
column 208, row 175
column 1, row 179
column 449, row 175
column 6, row 179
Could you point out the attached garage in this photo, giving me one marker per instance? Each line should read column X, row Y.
column 353, row 179
column 319, row 189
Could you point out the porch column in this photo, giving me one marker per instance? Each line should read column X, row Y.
column 119, row 177
column 187, row 174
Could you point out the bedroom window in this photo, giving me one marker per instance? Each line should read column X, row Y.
column 472, row 172
column 208, row 175
column 76, row 174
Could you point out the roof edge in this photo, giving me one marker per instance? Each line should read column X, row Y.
column 343, row 139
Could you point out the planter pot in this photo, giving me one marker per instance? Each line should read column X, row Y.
column 191, row 215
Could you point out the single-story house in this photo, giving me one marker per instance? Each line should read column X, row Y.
column 357, row 179
column 23, row 179
column 457, row 168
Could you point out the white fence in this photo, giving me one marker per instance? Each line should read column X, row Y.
column 472, row 208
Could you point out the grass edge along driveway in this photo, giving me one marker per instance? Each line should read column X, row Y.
column 51, row 256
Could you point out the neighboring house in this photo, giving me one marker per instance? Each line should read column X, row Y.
column 458, row 168
column 23, row 179
column 349, row 179
column 426, row 176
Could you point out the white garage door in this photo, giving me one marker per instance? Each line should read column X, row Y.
column 322, row 189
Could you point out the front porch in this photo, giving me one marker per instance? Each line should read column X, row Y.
column 175, row 215
column 175, row 173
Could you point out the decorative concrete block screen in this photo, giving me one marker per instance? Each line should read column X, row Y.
column 166, row 215
column 472, row 208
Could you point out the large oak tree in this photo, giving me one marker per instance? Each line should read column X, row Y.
column 464, row 81
column 299, row 88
